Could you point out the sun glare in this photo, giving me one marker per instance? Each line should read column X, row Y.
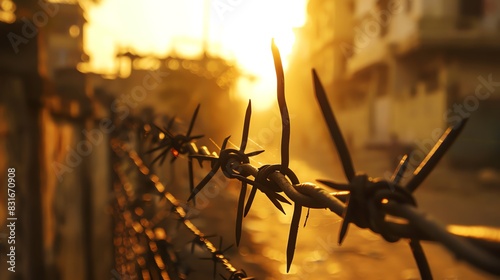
column 241, row 32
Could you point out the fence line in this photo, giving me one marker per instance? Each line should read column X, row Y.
column 363, row 201
column 217, row 254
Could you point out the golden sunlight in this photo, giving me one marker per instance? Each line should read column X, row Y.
column 237, row 30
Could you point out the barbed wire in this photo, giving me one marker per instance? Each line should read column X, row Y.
column 363, row 201
column 217, row 254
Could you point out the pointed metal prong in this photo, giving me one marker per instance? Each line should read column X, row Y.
column 224, row 143
column 215, row 268
column 246, row 127
column 347, row 218
column 343, row 231
column 274, row 197
column 250, row 199
column 239, row 212
column 160, row 129
column 421, row 259
column 162, row 154
column 202, row 157
column 190, row 138
column 292, row 237
column 252, row 154
column 171, row 123
column 333, row 128
column 193, row 119
column 333, row 185
column 191, row 177
column 285, row 117
column 157, row 148
column 205, row 180
column 400, row 170
column 227, row 248
column 280, row 197
column 433, row 157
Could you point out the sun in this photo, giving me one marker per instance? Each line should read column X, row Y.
column 248, row 32
column 243, row 34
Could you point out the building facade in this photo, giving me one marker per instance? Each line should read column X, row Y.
column 401, row 71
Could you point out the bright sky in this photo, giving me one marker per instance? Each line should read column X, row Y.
column 240, row 30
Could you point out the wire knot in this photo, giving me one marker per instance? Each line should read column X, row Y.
column 380, row 194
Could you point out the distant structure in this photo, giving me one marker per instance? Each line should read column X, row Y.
column 406, row 69
column 174, row 85
column 47, row 126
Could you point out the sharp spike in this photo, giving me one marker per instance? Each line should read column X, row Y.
column 252, row 154
column 292, row 237
column 346, row 220
column 276, row 204
column 246, row 127
column 202, row 157
column 205, row 180
column 193, row 119
column 162, row 154
column 433, row 157
column 285, row 117
column 400, row 170
column 239, row 212
column 191, row 177
column 421, row 259
column 228, row 247
column 171, row 123
column 224, row 144
column 160, row 129
column 157, row 148
column 251, row 197
column 190, row 138
column 215, row 268
column 333, row 128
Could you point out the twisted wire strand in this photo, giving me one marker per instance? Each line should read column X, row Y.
column 147, row 228
column 121, row 148
column 310, row 195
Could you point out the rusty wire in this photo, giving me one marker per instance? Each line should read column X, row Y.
column 363, row 201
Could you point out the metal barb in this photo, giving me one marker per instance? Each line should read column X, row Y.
column 239, row 213
column 193, row 119
column 285, row 117
column 421, row 259
column 399, row 172
column 333, row 127
column 292, row 236
column 246, row 127
column 433, row 157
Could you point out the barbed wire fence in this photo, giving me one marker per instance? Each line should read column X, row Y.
column 144, row 249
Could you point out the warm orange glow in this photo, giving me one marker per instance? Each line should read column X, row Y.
column 237, row 30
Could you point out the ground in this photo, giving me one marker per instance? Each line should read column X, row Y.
column 451, row 196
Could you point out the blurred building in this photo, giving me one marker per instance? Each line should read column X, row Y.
column 173, row 86
column 49, row 136
column 403, row 70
